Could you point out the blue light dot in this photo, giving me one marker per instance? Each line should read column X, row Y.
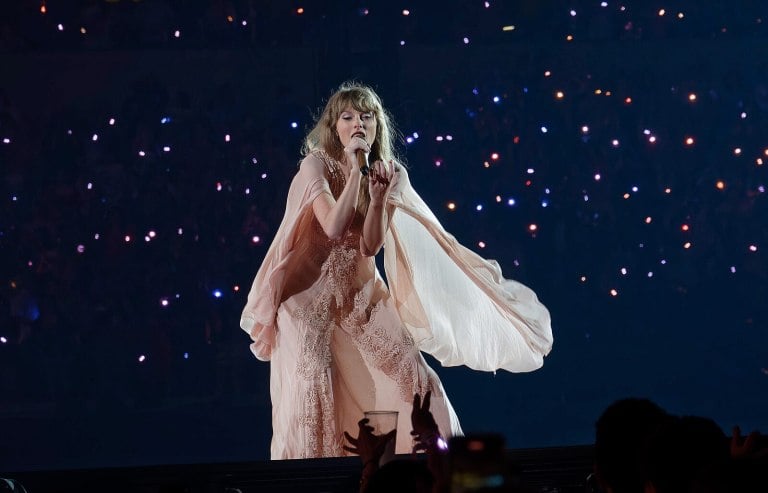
column 217, row 293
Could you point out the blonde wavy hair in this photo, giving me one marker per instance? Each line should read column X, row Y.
column 323, row 135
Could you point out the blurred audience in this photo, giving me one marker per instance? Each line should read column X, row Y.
column 639, row 448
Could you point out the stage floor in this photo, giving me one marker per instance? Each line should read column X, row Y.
column 545, row 470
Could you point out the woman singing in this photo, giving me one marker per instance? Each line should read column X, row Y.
column 339, row 340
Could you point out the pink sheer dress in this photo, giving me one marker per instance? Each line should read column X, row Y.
column 341, row 341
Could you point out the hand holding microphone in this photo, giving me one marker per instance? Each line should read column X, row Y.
column 362, row 162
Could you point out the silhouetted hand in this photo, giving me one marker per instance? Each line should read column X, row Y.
column 749, row 446
column 368, row 446
column 425, row 431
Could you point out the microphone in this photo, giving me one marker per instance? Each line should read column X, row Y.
column 362, row 162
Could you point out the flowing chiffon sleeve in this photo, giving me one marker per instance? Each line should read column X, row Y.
column 457, row 306
column 264, row 297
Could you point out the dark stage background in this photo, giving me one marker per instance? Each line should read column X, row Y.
column 608, row 154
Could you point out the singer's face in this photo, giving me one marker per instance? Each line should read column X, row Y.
column 353, row 123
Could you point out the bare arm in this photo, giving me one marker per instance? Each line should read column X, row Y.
column 335, row 216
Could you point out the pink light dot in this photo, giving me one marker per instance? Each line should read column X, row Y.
column 481, row 244
column 533, row 227
column 142, row 358
column 127, row 238
column 255, row 239
column 614, row 293
column 752, row 248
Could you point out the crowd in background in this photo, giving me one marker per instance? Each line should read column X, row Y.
column 639, row 448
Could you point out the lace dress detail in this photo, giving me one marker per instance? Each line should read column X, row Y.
column 347, row 301
column 392, row 352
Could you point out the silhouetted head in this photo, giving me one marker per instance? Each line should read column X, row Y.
column 621, row 435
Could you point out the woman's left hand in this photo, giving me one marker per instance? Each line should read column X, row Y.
column 382, row 177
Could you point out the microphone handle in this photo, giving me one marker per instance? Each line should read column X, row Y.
column 362, row 162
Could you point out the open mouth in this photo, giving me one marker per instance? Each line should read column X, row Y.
column 359, row 134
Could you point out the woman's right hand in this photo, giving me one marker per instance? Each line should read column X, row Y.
column 350, row 152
